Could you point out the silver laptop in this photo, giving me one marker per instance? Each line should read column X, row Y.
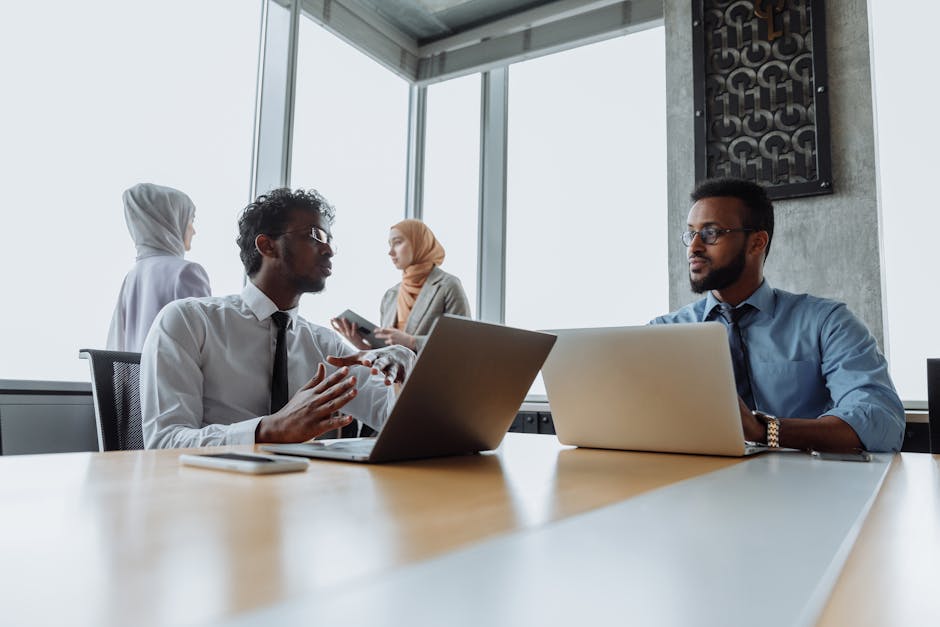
column 461, row 396
column 667, row 388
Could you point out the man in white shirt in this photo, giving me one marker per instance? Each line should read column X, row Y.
column 212, row 371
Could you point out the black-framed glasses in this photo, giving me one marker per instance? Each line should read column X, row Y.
column 710, row 234
column 316, row 233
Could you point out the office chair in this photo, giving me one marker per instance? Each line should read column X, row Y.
column 933, row 403
column 115, row 386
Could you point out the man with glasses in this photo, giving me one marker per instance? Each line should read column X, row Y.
column 808, row 372
column 246, row 368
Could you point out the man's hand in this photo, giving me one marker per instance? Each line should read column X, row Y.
column 754, row 429
column 393, row 362
column 826, row 433
column 310, row 412
column 350, row 331
column 394, row 336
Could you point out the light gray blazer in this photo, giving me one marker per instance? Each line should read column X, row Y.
column 442, row 293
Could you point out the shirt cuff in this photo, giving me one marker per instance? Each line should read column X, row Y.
column 243, row 432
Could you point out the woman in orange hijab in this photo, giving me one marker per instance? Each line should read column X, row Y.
column 425, row 293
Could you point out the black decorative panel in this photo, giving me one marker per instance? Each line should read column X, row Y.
column 761, row 105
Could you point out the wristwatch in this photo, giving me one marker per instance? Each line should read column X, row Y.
column 773, row 427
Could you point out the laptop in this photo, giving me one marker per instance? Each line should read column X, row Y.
column 460, row 398
column 664, row 388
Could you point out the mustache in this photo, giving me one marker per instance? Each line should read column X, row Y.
column 698, row 255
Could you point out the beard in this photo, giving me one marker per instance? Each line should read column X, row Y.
column 720, row 278
column 304, row 284
column 308, row 285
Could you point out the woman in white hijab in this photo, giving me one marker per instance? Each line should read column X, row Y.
column 160, row 220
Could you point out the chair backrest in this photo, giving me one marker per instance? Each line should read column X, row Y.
column 115, row 386
column 933, row 403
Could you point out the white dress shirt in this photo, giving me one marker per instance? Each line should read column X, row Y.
column 205, row 371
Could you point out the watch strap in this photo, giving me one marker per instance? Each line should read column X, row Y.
column 772, row 423
column 773, row 432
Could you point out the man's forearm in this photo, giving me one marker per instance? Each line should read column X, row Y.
column 826, row 433
column 185, row 436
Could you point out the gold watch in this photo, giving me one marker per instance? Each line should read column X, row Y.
column 773, row 427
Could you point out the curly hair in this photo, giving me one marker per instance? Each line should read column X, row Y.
column 760, row 214
column 269, row 215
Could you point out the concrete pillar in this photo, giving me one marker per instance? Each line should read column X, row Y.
column 828, row 246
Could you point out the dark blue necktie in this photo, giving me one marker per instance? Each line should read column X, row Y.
column 742, row 377
column 279, row 372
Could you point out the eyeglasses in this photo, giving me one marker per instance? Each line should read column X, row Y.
column 710, row 234
column 315, row 233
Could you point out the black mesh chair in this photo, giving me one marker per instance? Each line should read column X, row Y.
column 115, row 386
column 933, row 403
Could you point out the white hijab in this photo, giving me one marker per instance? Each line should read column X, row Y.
column 157, row 218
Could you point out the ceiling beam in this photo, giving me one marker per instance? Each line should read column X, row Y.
column 537, row 32
column 367, row 31
column 576, row 30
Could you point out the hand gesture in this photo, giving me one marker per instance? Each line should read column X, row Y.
column 394, row 336
column 393, row 362
column 310, row 411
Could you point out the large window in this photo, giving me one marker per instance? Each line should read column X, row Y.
column 452, row 175
column 350, row 134
column 586, row 192
column 586, row 223
column 98, row 96
column 907, row 168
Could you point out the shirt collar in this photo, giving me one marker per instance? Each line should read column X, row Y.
column 262, row 306
column 762, row 299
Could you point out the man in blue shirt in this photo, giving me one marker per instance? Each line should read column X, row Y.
column 808, row 360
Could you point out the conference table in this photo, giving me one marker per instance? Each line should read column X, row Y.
column 533, row 533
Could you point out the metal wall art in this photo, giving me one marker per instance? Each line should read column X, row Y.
column 761, row 94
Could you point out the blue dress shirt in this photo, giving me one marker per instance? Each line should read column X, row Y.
column 812, row 357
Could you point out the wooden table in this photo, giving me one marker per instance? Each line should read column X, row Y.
column 134, row 538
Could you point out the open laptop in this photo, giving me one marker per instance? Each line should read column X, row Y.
column 666, row 388
column 461, row 396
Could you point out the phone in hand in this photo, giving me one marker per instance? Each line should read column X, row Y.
column 852, row 456
column 250, row 463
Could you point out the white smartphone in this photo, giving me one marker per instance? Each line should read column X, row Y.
column 855, row 456
column 250, row 463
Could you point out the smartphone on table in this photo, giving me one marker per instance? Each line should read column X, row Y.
column 251, row 463
column 851, row 456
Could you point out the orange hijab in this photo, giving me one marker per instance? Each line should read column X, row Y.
column 428, row 253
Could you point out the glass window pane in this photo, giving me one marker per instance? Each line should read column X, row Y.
column 110, row 94
column 452, row 175
column 350, row 132
column 586, row 224
column 905, row 168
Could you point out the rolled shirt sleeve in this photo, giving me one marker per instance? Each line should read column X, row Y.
column 856, row 375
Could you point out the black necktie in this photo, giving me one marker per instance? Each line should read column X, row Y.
column 279, row 373
column 742, row 377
